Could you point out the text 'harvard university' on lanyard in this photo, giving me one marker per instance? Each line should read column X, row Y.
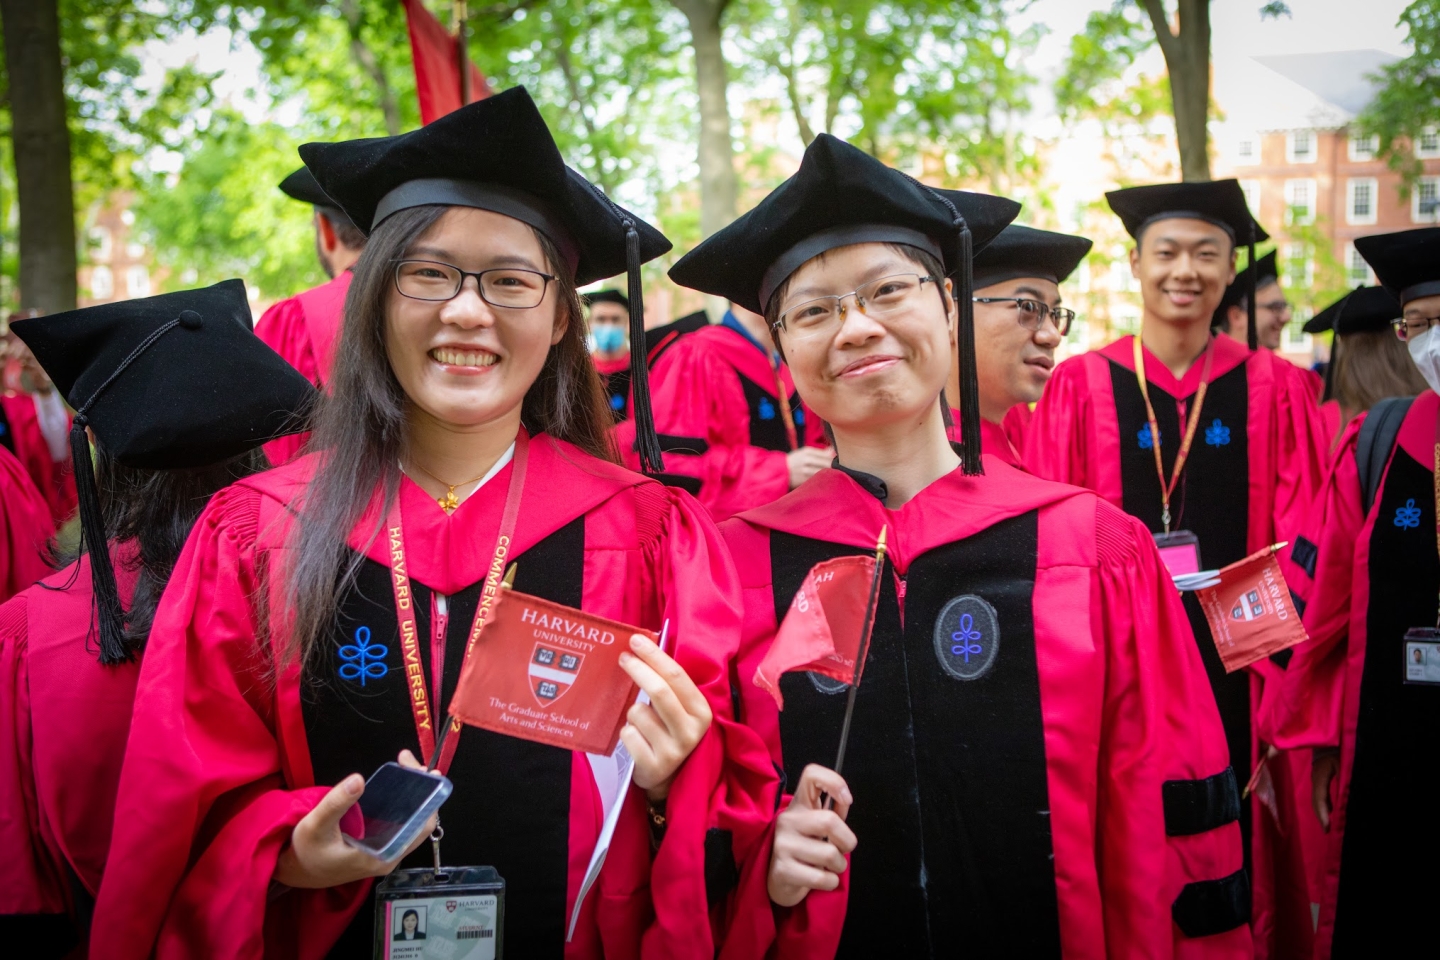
column 1193, row 421
column 425, row 717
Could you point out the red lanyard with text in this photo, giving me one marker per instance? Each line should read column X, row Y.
column 1166, row 489
column 405, row 611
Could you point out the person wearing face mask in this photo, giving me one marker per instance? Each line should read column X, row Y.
column 1019, row 321
column 1036, row 766
column 609, row 332
column 1214, row 447
column 305, row 328
column 465, row 418
column 1366, row 686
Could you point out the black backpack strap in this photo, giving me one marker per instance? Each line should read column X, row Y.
column 1377, row 438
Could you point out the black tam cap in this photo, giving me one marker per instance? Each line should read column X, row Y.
column 842, row 196
column 301, row 185
column 1027, row 252
column 168, row 382
column 1220, row 202
column 497, row 154
column 1325, row 319
column 1253, row 277
column 1366, row 309
column 1406, row 263
column 607, row 296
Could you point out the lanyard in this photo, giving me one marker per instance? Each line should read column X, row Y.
column 405, row 611
column 1166, row 489
column 785, row 413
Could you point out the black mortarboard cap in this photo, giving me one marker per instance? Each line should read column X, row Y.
column 1220, row 202
column 1325, row 319
column 301, row 185
column 1406, row 263
column 1367, row 309
column 1026, row 252
column 842, row 196
column 1263, row 271
column 168, row 382
column 607, row 296
column 497, row 154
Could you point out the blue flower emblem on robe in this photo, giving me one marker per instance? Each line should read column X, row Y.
column 1217, row 434
column 1408, row 516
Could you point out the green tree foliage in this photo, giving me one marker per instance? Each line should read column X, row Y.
column 1095, row 80
column 1409, row 97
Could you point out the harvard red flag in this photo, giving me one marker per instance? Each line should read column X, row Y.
column 437, row 54
column 826, row 626
column 1250, row 611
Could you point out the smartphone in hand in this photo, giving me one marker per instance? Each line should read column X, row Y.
column 394, row 808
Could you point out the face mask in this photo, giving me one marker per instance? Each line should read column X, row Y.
column 1425, row 351
column 608, row 338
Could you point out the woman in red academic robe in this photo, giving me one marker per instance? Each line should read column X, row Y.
column 1036, row 767
column 36, row 447
column 64, row 710
column 25, row 528
column 466, row 416
column 1364, row 686
column 721, row 420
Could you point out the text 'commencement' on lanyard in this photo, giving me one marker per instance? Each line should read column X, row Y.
column 1193, row 421
column 425, row 719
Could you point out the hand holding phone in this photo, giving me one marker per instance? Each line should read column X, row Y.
column 320, row 855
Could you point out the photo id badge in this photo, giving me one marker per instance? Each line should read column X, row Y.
column 1180, row 550
column 455, row 914
column 1422, row 656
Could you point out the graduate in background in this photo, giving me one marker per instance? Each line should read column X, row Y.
column 1019, row 321
column 466, row 418
column 728, row 416
column 1252, row 441
column 1366, row 687
column 305, row 328
column 609, row 323
column 1272, row 314
column 162, row 449
column 1330, row 414
column 1036, row 766
column 1367, row 361
column 33, row 426
column 25, row 528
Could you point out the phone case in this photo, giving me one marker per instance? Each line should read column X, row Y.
column 413, row 826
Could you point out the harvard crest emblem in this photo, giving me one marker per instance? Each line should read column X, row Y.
column 553, row 672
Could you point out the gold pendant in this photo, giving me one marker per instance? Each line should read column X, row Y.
column 449, row 502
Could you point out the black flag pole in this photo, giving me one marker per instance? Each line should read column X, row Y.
column 864, row 649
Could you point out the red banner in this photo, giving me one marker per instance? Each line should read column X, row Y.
column 436, row 53
column 1250, row 611
column 822, row 629
column 549, row 673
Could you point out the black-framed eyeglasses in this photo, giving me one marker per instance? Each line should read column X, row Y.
column 1275, row 306
column 1034, row 313
column 1405, row 329
column 511, row 288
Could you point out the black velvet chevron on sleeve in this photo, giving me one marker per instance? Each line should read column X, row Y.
column 1207, row 907
column 1195, row 806
column 1305, row 553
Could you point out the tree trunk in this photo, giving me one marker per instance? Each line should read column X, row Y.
column 41, row 140
column 365, row 58
column 717, row 151
column 1187, row 61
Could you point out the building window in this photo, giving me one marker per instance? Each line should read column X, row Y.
column 1245, row 150
column 137, row 281
column 1427, row 144
column 1364, row 148
column 135, row 250
column 101, row 245
column 1299, row 267
column 1356, row 269
column 1300, row 146
column 1425, row 199
column 1299, row 201
column 1361, row 194
column 102, row 283
column 1251, row 189
column 1295, row 336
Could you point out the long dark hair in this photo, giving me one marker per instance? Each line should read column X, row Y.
column 361, row 426
column 156, row 510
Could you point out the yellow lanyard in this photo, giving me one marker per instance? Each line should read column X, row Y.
column 1166, row 489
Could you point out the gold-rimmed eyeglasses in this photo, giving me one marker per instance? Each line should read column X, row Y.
column 876, row 299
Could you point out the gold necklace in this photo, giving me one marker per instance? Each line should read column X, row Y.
column 449, row 502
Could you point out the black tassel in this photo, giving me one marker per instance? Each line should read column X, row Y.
column 113, row 648
column 1252, row 336
column 647, row 443
column 969, row 377
column 1329, row 393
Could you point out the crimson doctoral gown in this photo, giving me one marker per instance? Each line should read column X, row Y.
column 717, row 410
column 64, row 718
column 615, row 375
column 213, row 783
column 1375, row 576
column 1061, row 788
column 1004, row 440
column 25, row 526
column 20, row 433
column 305, row 329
